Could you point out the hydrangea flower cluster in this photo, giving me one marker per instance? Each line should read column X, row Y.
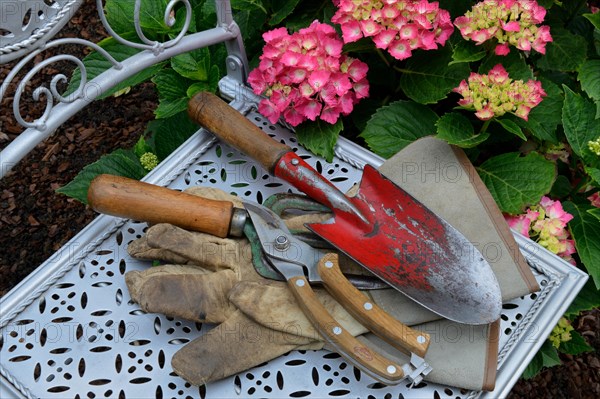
column 561, row 333
column 496, row 93
column 398, row 26
column 149, row 160
column 595, row 199
column 546, row 223
column 510, row 22
column 594, row 146
column 306, row 76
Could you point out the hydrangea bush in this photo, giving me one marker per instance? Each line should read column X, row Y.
column 506, row 22
column 546, row 223
column 306, row 76
column 398, row 26
column 495, row 93
column 514, row 83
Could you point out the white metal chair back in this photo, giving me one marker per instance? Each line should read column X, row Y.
column 26, row 28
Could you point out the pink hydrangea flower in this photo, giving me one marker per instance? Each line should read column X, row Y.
column 496, row 93
column 595, row 199
column 546, row 223
column 509, row 22
column 398, row 26
column 305, row 76
column 522, row 223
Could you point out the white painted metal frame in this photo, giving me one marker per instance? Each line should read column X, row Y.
column 226, row 31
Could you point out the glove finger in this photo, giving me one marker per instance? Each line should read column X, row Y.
column 298, row 222
column 140, row 249
column 272, row 304
column 183, row 292
column 234, row 346
column 208, row 251
column 216, row 194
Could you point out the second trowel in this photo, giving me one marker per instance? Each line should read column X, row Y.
column 382, row 227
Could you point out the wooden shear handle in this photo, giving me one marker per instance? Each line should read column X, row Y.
column 374, row 364
column 369, row 314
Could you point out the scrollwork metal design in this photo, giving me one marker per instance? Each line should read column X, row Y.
column 37, row 19
column 51, row 93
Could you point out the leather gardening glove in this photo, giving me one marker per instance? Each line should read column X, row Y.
column 213, row 280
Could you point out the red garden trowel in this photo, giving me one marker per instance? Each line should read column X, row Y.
column 382, row 227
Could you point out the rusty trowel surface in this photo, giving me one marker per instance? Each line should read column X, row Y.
column 415, row 251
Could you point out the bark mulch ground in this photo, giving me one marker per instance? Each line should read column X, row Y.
column 35, row 221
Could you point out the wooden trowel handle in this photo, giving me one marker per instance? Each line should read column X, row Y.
column 133, row 199
column 233, row 128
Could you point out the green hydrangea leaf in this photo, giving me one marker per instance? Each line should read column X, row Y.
column 533, row 368
column 95, row 64
column 457, row 129
column 580, row 124
column 587, row 299
column 565, row 53
column 465, row 51
column 594, row 19
column 211, row 84
column 594, row 173
column 517, row 181
column 576, row 345
column 427, row 77
column 562, row 187
column 172, row 93
column 511, row 127
column 251, row 23
column 310, row 11
column 547, row 356
column 319, row 137
column 119, row 163
column 396, row 125
column 546, row 3
column 193, row 65
column 169, row 133
column 248, row 5
column 170, row 84
column 550, row 356
column 120, row 13
column 585, row 230
column 281, row 9
column 142, row 147
column 589, row 77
